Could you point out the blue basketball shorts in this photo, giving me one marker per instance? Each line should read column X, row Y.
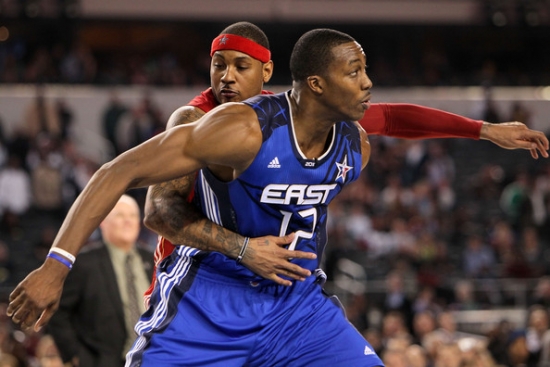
column 201, row 318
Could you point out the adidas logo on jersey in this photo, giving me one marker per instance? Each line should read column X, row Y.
column 274, row 163
column 368, row 350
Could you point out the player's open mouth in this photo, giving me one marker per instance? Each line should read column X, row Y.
column 366, row 101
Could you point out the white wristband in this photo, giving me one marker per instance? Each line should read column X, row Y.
column 62, row 252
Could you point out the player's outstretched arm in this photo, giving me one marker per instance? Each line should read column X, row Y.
column 230, row 136
column 516, row 135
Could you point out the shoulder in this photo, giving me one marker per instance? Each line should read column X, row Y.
column 238, row 112
column 184, row 115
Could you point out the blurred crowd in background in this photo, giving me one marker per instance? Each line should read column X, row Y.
column 172, row 53
column 431, row 228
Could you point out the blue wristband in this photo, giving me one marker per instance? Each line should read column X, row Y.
column 61, row 259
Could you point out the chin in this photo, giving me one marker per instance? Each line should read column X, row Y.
column 357, row 116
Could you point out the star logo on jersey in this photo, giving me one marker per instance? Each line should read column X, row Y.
column 224, row 40
column 343, row 169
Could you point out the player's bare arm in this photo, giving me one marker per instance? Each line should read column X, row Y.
column 230, row 139
column 166, row 207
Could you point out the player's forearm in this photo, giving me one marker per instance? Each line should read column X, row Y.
column 169, row 214
column 91, row 206
column 411, row 121
column 205, row 235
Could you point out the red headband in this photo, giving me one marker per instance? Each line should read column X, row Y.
column 242, row 44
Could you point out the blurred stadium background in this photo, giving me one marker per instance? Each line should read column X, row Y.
column 438, row 227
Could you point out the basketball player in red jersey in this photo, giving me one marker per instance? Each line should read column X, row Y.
column 241, row 64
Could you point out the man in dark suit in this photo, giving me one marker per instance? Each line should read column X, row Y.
column 102, row 298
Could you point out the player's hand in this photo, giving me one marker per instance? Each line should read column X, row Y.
column 515, row 135
column 36, row 298
column 267, row 257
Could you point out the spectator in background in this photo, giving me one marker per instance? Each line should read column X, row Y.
column 46, row 177
column 76, row 171
column 416, row 356
column 533, row 251
column 502, row 240
column 541, row 293
column 446, row 334
column 424, row 323
column 396, row 298
column 520, row 113
column 65, row 118
column 15, row 187
column 111, row 119
column 102, row 298
column 489, row 111
column 394, row 195
column 19, row 144
column 41, row 68
column 425, row 301
column 527, row 344
column 47, row 354
column 440, row 166
column 78, row 65
column 42, row 116
column 147, row 119
column 464, row 297
column 141, row 123
column 498, row 339
column 515, row 200
column 394, row 358
column 356, row 311
column 415, row 158
column 394, row 329
column 478, row 258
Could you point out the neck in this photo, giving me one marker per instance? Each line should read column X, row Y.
column 312, row 129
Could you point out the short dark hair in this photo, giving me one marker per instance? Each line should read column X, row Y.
column 248, row 30
column 313, row 52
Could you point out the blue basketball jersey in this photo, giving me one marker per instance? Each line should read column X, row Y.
column 282, row 191
column 206, row 310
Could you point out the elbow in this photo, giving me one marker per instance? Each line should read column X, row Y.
column 114, row 175
column 152, row 220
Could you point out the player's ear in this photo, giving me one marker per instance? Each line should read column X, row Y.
column 267, row 71
column 315, row 83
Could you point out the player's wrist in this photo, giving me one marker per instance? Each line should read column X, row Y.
column 242, row 251
column 55, row 266
column 484, row 132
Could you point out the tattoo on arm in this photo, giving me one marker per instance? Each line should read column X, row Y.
column 173, row 217
column 184, row 116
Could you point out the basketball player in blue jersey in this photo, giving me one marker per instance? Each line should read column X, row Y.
column 269, row 166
